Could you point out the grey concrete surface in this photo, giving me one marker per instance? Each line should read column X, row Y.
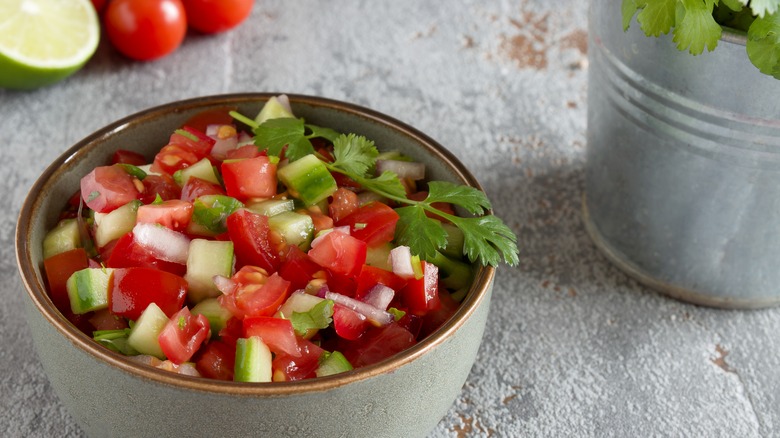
column 573, row 347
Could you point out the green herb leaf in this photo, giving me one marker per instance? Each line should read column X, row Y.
column 628, row 9
column 318, row 317
column 423, row 235
column 275, row 134
column 656, row 17
column 157, row 200
column 763, row 8
column 354, row 154
column 318, row 131
column 387, row 184
column 187, row 134
column 211, row 211
column 696, row 27
column 488, row 239
column 473, row 200
column 115, row 340
column 397, row 314
column 763, row 45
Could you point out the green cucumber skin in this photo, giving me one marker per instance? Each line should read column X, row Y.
column 217, row 315
column 308, row 179
column 143, row 336
column 88, row 290
column 202, row 169
column 272, row 207
column 253, row 361
column 115, row 224
column 296, row 229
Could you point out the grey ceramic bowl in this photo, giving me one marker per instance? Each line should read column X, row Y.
column 109, row 395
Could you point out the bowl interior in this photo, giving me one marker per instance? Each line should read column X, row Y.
column 146, row 132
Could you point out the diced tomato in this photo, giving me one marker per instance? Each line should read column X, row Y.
column 182, row 335
column 413, row 323
column 276, row 333
column 373, row 223
column 341, row 283
column 58, row 269
column 128, row 254
column 246, row 151
column 173, row 157
column 131, row 290
column 251, row 244
column 196, row 187
column 377, row 344
column 321, row 221
column 298, row 268
column 159, row 185
column 218, row 116
column 201, row 145
column 340, row 253
column 105, row 320
column 257, row 293
column 216, row 360
column 348, row 323
column 107, row 188
column 128, row 157
column 370, row 276
column 435, row 318
column 288, row 368
column 344, row 202
column 174, row 214
column 233, row 330
column 422, row 295
column 250, row 178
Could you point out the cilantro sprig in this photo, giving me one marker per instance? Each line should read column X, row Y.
column 486, row 238
column 696, row 25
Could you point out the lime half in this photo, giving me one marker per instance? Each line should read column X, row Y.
column 44, row 41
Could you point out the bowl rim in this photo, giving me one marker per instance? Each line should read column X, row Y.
column 36, row 290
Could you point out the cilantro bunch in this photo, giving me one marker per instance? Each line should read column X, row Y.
column 486, row 238
column 696, row 24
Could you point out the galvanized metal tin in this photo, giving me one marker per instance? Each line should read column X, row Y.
column 682, row 185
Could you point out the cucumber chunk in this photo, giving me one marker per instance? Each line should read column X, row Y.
column 253, row 360
column 333, row 363
column 88, row 289
column 273, row 109
column 217, row 315
column 296, row 229
column 308, row 179
column 272, row 207
column 115, row 224
column 379, row 257
column 202, row 169
column 64, row 237
column 205, row 259
column 144, row 334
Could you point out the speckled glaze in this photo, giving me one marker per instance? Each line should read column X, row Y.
column 405, row 395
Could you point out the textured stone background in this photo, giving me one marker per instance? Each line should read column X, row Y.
column 573, row 347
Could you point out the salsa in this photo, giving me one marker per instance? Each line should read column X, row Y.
column 235, row 258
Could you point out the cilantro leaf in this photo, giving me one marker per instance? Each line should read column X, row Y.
column 488, row 239
column 628, row 9
column 275, row 134
column 318, row 317
column 696, row 27
column 211, row 211
column 656, row 17
column 318, row 131
column 386, row 184
column 354, row 154
column 763, row 8
column 423, row 235
column 473, row 200
column 763, row 45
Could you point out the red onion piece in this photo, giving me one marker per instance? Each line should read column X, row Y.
column 379, row 296
column 374, row 315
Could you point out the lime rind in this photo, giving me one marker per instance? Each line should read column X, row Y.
column 44, row 41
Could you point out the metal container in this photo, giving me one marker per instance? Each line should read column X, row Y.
column 682, row 187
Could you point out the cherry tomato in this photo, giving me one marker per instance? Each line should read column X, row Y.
column 212, row 16
column 145, row 29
